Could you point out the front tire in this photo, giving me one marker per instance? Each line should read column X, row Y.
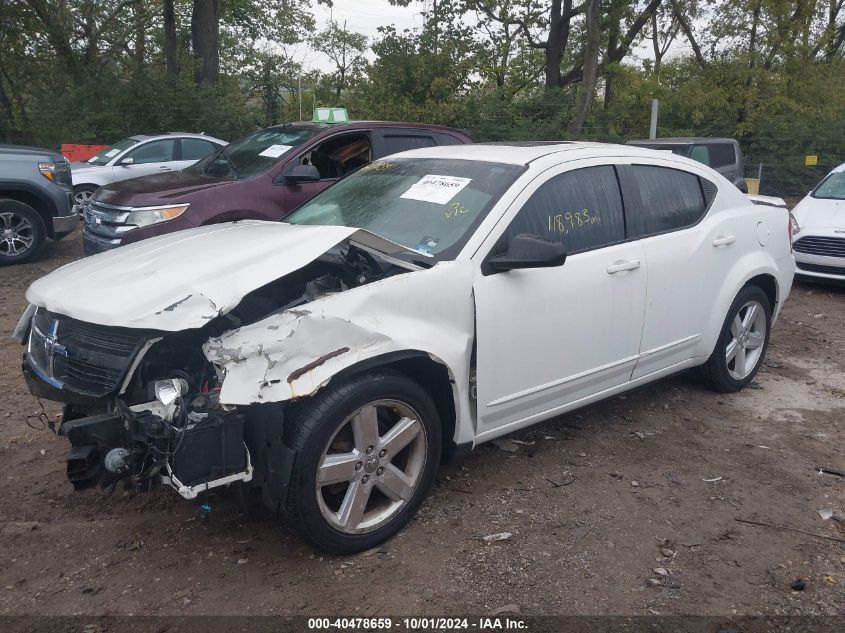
column 367, row 454
column 742, row 342
column 22, row 233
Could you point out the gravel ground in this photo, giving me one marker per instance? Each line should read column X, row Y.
column 627, row 507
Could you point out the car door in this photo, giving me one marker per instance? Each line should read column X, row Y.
column 688, row 256
column 193, row 149
column 552, row 337
column 148, row 158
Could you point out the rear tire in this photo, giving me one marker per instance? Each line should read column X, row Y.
column 22, row 233
column 742, row 343
column 367, row 452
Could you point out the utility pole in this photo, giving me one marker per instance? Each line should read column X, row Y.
column 652, row 132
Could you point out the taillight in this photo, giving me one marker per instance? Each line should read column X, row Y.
column 794, row 228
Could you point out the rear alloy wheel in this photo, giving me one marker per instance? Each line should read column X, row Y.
column 742, row 342
column 22, row 233
column 367, row 456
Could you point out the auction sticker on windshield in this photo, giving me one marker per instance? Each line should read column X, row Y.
column 274, row 151
column 436, row 189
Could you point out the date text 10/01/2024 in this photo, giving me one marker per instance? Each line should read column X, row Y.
column 419, row 624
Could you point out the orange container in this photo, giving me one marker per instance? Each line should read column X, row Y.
column 74, row 152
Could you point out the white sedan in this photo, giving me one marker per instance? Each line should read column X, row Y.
column 819, row 229
column 434, row 300
column 137, row 156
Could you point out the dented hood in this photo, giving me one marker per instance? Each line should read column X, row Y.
column 182, row 280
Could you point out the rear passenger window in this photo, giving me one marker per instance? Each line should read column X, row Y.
column 580, row 208
column 672, row 199
column 722, row 155
column 394, row 143
column 195, row 148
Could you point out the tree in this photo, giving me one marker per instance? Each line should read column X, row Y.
column 345, row 49
column 205, row 39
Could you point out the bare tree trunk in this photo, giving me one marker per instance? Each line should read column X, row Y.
column 586, row 92
column 612, row 44
column 687, row 29
column 205, row 37
column 140, row 39
column 171, row 62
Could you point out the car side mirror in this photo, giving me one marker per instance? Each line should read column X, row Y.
column 529, row 251
column 126, row 162
column 300, row 173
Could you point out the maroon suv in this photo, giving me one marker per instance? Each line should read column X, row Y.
column 264, row 175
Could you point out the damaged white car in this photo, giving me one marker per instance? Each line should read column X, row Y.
column 429, row 302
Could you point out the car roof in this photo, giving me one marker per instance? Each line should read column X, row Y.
column 523, row 153
column 836, row 169
column 682, row 140
column 148, row 137
column 369, row 124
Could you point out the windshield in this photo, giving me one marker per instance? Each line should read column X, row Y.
column 428, row 205
column 253, row 154
column 832, row 187
column 109, row 154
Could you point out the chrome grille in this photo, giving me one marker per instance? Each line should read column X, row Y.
column 83, row 357
column 106, row 221
column 818, row 245
column 63, row 175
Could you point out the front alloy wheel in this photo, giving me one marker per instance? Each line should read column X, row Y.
column 371, row 466
column 22, row 232
column 367, row 452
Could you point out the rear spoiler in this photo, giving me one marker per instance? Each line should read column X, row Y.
column 768, row 201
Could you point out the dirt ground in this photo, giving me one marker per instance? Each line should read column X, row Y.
column 626, row 507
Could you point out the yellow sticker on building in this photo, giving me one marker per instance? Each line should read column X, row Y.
column 811, row 161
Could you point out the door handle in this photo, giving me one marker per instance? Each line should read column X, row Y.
column 621, row 266
column 165, row 168
column 724, row 240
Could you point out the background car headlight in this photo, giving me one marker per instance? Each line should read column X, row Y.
column 153, row 215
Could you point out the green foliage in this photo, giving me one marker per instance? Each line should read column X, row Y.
column 768, row 72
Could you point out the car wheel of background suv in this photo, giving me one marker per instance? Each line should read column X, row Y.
column 82, row 196
column 742, row 343
column 367, row 450
column 22, row 233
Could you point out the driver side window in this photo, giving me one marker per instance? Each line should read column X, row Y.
column 340, row 155
column 582, row 209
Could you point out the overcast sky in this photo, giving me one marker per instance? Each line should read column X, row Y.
column 365, row 16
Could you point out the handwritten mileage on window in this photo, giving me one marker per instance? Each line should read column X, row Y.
column 572, row 221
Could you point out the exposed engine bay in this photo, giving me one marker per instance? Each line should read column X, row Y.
column 143, row 407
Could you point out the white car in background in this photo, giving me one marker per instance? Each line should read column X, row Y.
column 819, row 229
column 137, row 156
column 431, row 301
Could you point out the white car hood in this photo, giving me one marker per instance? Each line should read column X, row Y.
column 82, row 168
column 820, row 213
column 182, row 280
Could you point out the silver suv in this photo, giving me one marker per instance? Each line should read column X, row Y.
column 137, row 156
